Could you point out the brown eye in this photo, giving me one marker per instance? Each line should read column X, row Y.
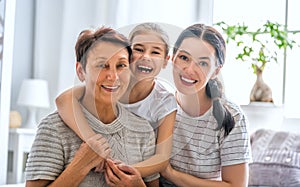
column 183, row 57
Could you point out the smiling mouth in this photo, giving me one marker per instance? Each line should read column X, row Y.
column 144, row 69
column 187, row 81
column 110, row 88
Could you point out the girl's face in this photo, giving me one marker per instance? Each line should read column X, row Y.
column 107, row 72
column 193, row 65
column 148, row 56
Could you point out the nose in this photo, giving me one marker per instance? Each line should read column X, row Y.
column 112, row 74
column 146, row 55
column 190, row 68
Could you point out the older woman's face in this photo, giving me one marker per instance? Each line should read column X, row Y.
column 107, row 72
column 193, row 65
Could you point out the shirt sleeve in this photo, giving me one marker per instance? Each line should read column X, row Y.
column 235, row 147
column 45, row 160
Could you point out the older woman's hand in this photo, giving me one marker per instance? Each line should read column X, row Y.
column 100, row 146
column 120, row 174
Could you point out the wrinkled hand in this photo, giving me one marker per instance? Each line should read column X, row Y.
column 120, row 174
column 99, row 144
column 93, row 153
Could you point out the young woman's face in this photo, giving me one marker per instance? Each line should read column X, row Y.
column 149, row 56
column 107, row 72
column 193, row 65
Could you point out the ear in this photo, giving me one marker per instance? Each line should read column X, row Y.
column 217, row 71
column 80, row 71
column 166, row 61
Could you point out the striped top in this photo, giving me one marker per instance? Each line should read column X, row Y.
column 201, row 151
column 131, row 139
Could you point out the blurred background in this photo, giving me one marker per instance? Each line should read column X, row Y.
column 38, row 39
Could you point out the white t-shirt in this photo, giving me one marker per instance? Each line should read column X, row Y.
column 158, row 104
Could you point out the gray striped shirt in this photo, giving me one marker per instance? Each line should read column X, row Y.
column 201, row 151
column 131, row 139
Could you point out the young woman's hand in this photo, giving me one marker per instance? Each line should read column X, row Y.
column 167, row 173
column 123, row 175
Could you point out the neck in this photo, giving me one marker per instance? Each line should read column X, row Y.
column 195, row 104
column 105, row 112
column 138, row 90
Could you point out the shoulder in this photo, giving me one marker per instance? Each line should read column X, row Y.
column 163, row 95
column 133, row 121
column 163, row 88
column 54, row 125
column 52, row 118
column 241, row 121
column 235, row 110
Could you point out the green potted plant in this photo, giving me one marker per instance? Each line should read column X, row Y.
column 259, row 48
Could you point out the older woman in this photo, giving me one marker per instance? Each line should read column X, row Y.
column 58, row 156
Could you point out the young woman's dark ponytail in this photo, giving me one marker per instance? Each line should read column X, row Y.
column 220, row 112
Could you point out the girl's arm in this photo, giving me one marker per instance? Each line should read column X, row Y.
column 232, row 176
column 160, row 160
column 70, row 111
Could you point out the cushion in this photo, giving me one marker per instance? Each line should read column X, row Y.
column 276, row 158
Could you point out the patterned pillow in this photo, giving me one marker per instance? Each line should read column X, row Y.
column 276, row 158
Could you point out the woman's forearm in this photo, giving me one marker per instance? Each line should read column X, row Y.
column 152, row 165
column 232, row 176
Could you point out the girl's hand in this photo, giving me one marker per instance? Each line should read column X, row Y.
column 120, row 174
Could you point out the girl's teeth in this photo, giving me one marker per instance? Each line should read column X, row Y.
column 144, row 68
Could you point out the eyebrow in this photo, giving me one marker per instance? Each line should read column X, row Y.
column 139, row 44
column 101, row 58
column 200, row 58
column 105, row 58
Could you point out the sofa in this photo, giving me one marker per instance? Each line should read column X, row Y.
column 275, row 143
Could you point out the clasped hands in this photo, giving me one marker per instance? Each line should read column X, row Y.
column 96, row 154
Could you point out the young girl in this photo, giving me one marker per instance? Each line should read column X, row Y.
column 211, row 141
column 145, row 96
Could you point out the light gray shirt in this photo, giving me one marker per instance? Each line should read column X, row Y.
column 131, row 139
column 201, row 151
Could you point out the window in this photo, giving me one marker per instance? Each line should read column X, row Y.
column 238, row 76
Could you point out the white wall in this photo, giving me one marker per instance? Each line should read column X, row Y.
column 55, row 34
column 5, row 86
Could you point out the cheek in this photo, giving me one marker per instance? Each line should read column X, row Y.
column 159, row 60
column 125, row 76
column 135, row 56
column 177, row 68
column 98, row 76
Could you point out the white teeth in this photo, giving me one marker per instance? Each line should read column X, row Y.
column 187, row 80
column 144, row 68
column 111, row 87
